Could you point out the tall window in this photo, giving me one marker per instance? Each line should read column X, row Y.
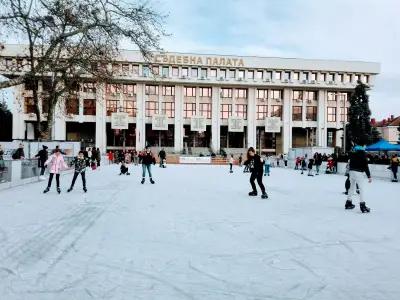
column 185, row 72
column 130, row 107
column 151, row 89
column 205, row 92
column 250, row 74
column 222, row 73
column 241, row 111
column 347, row 78
column 262, row 112
column 213, row 73
column 260, row 74
column 226, row 93
column 168, row 90
column 262, row 94
column 168, row 109
column 297, row 114
column 226, row 111
column 204, row 73
column 276, row 94
column 296, row 76
column 189, row 110
column 165, row 71
column 356, row 77
column 276, row 111
column 269, row 75
column 344, row 114
column 331, row 77
column 331, row 114
column 241, row 74
column 232, row 73
column 366, row 78
column 29, row 105
column 278, row 75
column 241, row 93
column 330, row 138
column 297, row 95
column 155, row 70
column 205, row 110
column 331, row 96
column 310, row 95
column 195, row 72
column 111, row 106
column 323, row 77
column 151, row 108
column 287, row 75
column 72, row 106
column 135, row 70
column 89, row 107
column 129, row 89
column 342, row 96
column 175, row 71
column 189, row 91
column 313, row 76
column 340, row 77
column 311, row 114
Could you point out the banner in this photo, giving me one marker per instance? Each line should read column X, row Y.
column 119, row 120
column 272, row 124
column 159, row 122
column 194, row 160
column 198, row 123
column 235, row 124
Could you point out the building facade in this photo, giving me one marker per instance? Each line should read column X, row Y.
column 388, row 128
column 310, row 97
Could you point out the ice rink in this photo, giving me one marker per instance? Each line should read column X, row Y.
column 196, row 234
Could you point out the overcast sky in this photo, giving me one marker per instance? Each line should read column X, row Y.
column 341, row 29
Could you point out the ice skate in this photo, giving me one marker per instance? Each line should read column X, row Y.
column 264, row 196
column 85, row 189
column 253, row 193
column 364, row 208
column 349, row 205
column 46, row 190
column 58, row 190
column 142, row 181
column 152, row 181
column 69, row 190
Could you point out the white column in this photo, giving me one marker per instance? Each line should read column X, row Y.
column 59, row 126
column 251, row 119
column 321, row 119
column 216, row 121
column 178, row 125
column 18, row 122
column 140, row 116
column 101, row 136
column 287, row 120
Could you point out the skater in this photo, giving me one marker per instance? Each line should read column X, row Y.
column 329, row 165
column 297, row 163
column 240, row 160
column 98, row 157
column 310, row 167
column 110, row 156
column 2, row 165
column 285, row 159
column 147, row 159
column 57, row 164
column 42, row 156
column 318, row 162
column 255, row 164
column 231, row 161
column 135, row 157
column 357, row 167
column 394, row 166
column 303, row 165
column 79, row 164
column 162, row 156
column 267, row 165
column 124, row 169
column 19, row 153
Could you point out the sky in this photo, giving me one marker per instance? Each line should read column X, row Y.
column 367, row 30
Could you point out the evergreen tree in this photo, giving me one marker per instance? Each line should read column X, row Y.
column 359, row 130
column 5, row 122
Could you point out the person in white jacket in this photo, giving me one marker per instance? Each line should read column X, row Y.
column 231, row 161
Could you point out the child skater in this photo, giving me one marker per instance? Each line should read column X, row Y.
column 79, row 163
column 124, row 169
column 256, row 167
column 231, row 160
column 310, row 167
column 57, row 164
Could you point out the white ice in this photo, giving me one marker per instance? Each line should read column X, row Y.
column 196, row 234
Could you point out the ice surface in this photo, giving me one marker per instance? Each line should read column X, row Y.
column 196, row 234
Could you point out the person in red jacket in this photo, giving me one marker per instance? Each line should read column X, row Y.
column 147, row 159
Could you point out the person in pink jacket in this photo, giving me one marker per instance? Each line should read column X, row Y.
column 56, row 164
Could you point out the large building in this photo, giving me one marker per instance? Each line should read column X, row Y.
column 309, row 96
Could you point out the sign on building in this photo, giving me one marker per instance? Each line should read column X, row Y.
column 159, row 122
column 235, row 124
column 119, row 120
column 198, row 123
column 272, row 124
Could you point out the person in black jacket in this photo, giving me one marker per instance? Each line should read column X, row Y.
column 162, row 155
column 147, row 159
column 43, row 155
column 79, row 163
column 358, row 165
column 256, row 167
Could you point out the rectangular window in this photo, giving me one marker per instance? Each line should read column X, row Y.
column 205, row 110
column 297, row 95
column 331, row 114
column 130, row 107
column 226, row 93
column 269, row 75
column 287, row 75
column 222, row 73
column 168, row 90
column 311, row 114
column 347, row 78
column 342, row 97
column 260, row 74
column 276, row 94
column 195, row 72
column 226, row 111
column 185, row 72
column 262, row 94
column 356, row 77
column 125, row 68
column 331, row 96
column 155, row 70
column 241, row 111
column 278, row 75
column 72, row 106
column 241, row 74
column 135, row 70
column 297, row 114
column 213, row 73
column 262, row 112
column 232, row 73
column 151, row 108
column 146, row 71
column 29, row 106
column 323, row 77
column 204, row 73
column 89, row 107
column 241, row 93
column 331, row 77
column 189, row 110
column 129, row 89
column 205, row 92
column 165, row 71
column 168, row 109
column 151, row 89
column 250, row 74
column 366, row 79
column 111, row 106
column 189, row 91
column 314, row 76
column 276, row 111
column 175, row 71
column 306, row 76
column 296, row 76
column 330, row 138
column 340, row 77
column 310, row 95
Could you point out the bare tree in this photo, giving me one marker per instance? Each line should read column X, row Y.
column 69, row 41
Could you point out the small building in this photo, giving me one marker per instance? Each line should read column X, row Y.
column 388, row 128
